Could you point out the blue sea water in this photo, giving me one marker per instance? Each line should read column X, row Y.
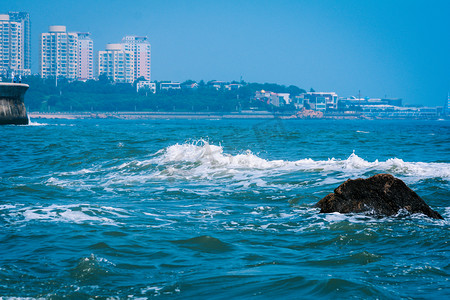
column 217, row 209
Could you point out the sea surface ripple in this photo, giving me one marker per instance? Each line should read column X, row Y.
column 136, row 209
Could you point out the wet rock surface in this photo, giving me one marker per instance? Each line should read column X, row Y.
column 382, row 194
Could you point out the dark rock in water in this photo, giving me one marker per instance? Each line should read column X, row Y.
column 381, row 194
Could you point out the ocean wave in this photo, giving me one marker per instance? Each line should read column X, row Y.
column 92, row 268
column 204, row 243
column 73, row 213
column 200, row 161
column 205, row 153
column 202, row 156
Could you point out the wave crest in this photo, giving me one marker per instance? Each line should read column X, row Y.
column 204, row 153
column 201, row 154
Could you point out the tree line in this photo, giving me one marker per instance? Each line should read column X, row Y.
column 49, row 95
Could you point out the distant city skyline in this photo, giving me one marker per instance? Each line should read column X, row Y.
column 396, row 49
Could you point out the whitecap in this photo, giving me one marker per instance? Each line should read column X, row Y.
column 202, row 161
column 36, row 124
column 7, row 206
column 73, row 213
column 205, row 161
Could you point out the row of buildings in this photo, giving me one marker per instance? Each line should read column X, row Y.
column 70, row 55
column 330, row 104
column 174, row 86
column 322, row 101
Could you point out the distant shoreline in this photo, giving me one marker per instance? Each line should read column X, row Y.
column 153, row 115
column 196, row 115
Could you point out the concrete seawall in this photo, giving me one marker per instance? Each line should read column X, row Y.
column 12, row 107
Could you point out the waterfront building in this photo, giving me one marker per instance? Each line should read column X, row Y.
column 262, row 96
column 170, row 86
column 279, row 99
column 85, row 56
column 233, row 86
column 223, row 85
column 116, row 63
column 66, row 54
column 58, row 53
column 392, row 101
column 396, row 112
column 354, row 101
column 275, row 99
column 285, row 98
column 141, row 49
column 146, row 86
column 216, row 84
column 320, row 100
column 189, row 86
column 24, row 19
column 15, row 52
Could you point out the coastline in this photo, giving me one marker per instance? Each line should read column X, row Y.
column 124, row 115
column 153, row 115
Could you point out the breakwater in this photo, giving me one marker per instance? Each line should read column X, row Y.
column 12, row 107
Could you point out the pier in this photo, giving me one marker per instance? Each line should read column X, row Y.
column 12, row 107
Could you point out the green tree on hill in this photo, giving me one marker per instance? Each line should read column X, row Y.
column 104, row 95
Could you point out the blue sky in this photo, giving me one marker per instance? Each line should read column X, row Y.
column 397, row 49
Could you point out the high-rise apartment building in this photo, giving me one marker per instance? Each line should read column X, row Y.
column 15, row 44
column 85, row 57
column 58, row 53
column 66, row 54
column 116, row 63
column 24, row 19
column 141, row 49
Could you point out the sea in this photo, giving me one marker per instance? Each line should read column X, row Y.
column 218, row 209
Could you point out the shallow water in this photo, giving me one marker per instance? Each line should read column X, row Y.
column 217, row 209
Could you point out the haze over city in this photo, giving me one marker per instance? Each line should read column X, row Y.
column 383, row 48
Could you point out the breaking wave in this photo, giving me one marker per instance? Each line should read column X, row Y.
column 73, row 213
column 202, row 155
column 198, row 167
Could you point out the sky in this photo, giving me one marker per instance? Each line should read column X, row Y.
column 383, row 48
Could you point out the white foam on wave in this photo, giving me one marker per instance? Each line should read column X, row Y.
column 73, row 213
column 21, row 298
column 309, row 219
column 371, row 218
column 446, row 214
column 33, row 123
column 203, row 152
column 211, row 159
column 79, row 172
column 201, row 161
column 7, row 206
column 30, row 123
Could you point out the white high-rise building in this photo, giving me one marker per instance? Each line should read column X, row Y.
column 116, row 63
column 66, row 54
column 24, row 19
column 13, row 59
column 141, row 49
column 85, row 57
